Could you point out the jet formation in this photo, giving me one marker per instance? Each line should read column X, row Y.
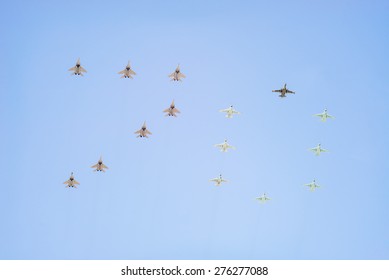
column 324, row 116
column 283, row 91
column 224, row 146
column 100, row 166
column 312, row 186
column 218, row 180
column 177, row 75
column 317, row 150
column 263, row 198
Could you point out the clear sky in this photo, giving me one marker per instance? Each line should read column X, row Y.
column 156, row 201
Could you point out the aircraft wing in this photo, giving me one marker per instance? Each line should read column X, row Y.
column 181, row 75
column 289, row 91
column 75, row 182
column 67, row 182
column 122, row 72
column 147, row 132
column 175, row 110
column 235, row 112
column 224, row 110
column 138, row 132
column 82, row 69
column 104, row 166
column 132, row 72
column 167, row 110
column 277, row 90
column 95, row 166
column 72, row 69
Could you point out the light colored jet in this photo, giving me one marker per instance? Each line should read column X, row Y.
column 100, row 166
column 172, row 110
column 218, row 180
column 230, row 112
column 263, row 198
column 324, row 116
column 71, row 183
column 283, row 91
column 312, row 186
column 143, row 131
column 317, row 150
column 177, row 75
column 224, row 146
column 78, row 69
column 127, row 72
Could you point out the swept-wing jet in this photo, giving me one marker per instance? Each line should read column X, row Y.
column 100, row 166
column 171, row 111
column 317, row 150
column 312, row 186
column 230, row 112
column 78, row 69
column 224, row 146
column 218, row 180
column 143, row 132
column 283, row 91
column 71, row 183
column 177, row 75
column 324, row 116
column 263, row 198
column 127, row 72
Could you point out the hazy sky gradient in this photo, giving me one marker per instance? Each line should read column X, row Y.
column 155, row 201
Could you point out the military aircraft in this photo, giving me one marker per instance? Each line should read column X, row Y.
column 71, row 183
column 283, row 91
column 224, row 146
column 143, row 131
column 230, row 112
column 172, row 110
column 177, row 75
column 317, row 150
column 127, row 72
column 100, row 166
column 78, row 69
column 218, row 180
column 324, row 116
column 312, row 186
column 263, row 198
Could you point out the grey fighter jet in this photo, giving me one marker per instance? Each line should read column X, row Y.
column 263, row 198
column 172, row 110
column 78, row 69
column 230, row 112
column 218, row 180
column 224, row 146
column 100, row 166
column 324, row 116
column 143, row 132
column 177, row 75
column 317, row 150
column 71, row 183
column 283, row 91
column 127, row 72
column 312, row 186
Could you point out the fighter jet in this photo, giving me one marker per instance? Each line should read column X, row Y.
column 218, row 180
column 127, row 72
column 312, row 186
column 230, row 112
column 71, row 183
column 100, row 166
column 317, row 150
column 143, row 131
column 324, row 116
column 172, row 110
column 224, row 146
column 263, row 198
column 78, row 69
column 177, row 75
column 283, row 91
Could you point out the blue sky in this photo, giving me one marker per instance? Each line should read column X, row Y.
column 155, row 201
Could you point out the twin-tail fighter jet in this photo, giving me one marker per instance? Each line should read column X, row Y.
column 177, row 75
column 312, row 186
column 171, row 111
column 263, row 198
column 71, row 183
column 127, row 72
column 143, row 132
column 78, row 69
column 324, row 116
column 100, row 166
column 317, row 150
column 224, row 146
column 218, row 180
column 283, row 91
column 229, row 112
